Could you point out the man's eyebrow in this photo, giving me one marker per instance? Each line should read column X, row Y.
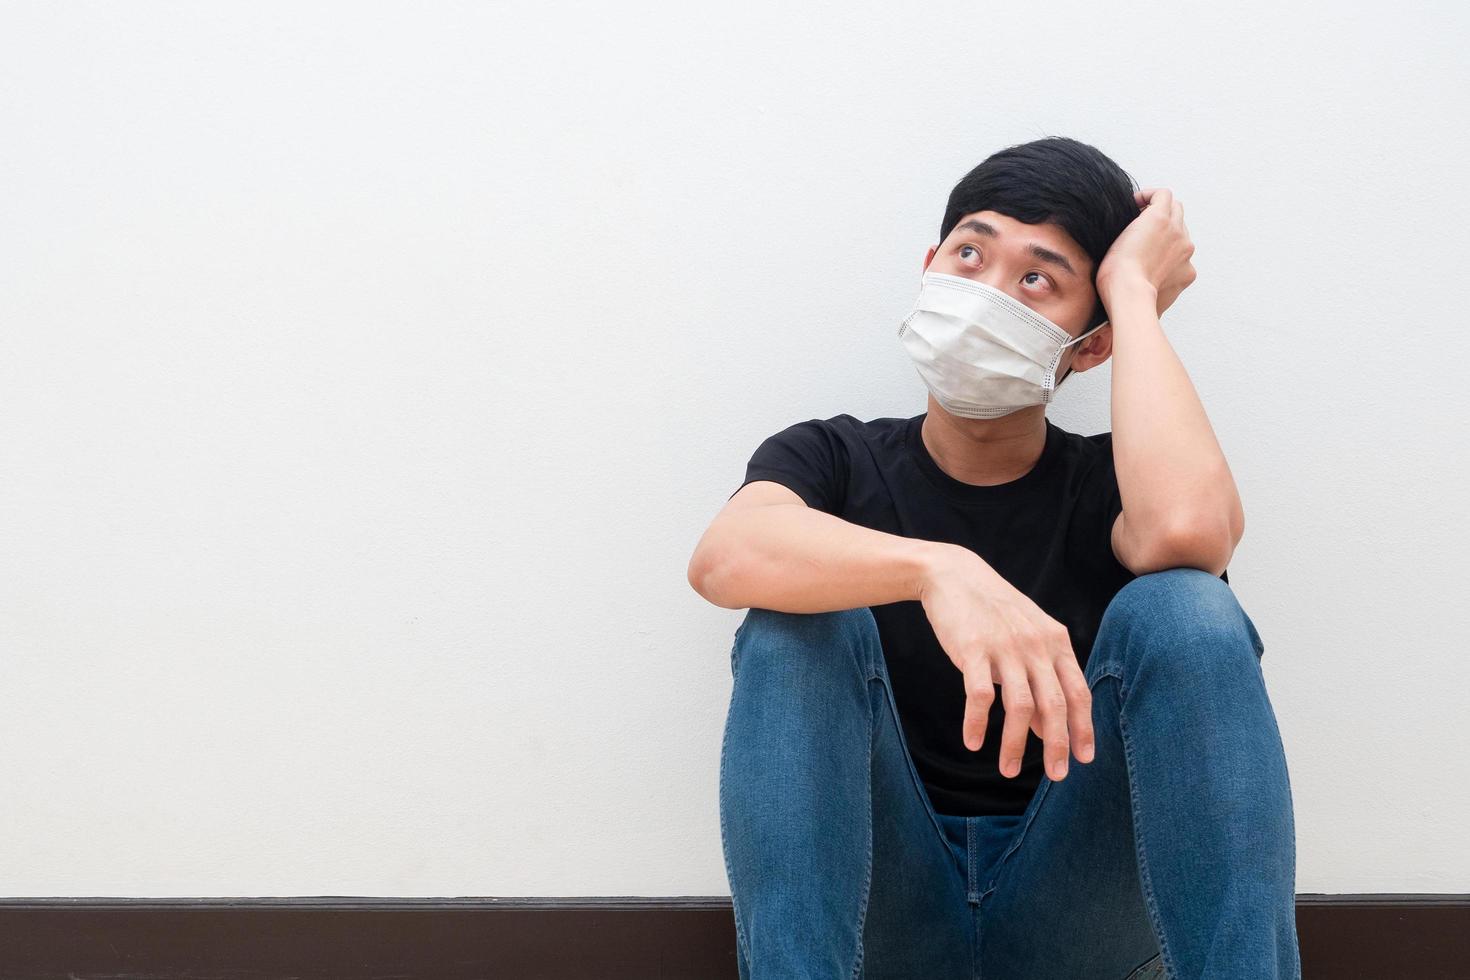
column 1044, row 254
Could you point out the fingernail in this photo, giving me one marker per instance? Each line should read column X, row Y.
column 1086, row 754
column 1014, row 766
column 1059, row 769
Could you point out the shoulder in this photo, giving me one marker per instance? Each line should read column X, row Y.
column 849, row 428
column 1083, row 444
column 851, row 423
column 1084, row 456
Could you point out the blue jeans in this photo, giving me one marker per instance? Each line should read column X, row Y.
column 1172, row 853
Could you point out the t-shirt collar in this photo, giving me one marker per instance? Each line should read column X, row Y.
column 971, row 492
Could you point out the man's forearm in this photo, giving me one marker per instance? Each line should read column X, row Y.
column 792, row 558
column 1172, row 474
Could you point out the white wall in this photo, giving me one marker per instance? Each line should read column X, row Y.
column 369, row 371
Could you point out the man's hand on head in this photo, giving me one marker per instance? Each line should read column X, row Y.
column 1152, row 253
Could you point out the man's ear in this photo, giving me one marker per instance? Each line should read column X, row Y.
column 1094, row 350
column 930, row 257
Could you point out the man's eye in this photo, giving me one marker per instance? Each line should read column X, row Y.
column 975, row 251
column 1030, row 274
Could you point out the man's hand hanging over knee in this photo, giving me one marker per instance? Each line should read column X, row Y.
column 995, row 635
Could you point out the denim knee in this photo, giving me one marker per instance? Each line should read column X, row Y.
column 1186, row 611
column 811, row 637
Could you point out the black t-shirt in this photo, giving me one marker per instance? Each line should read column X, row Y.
column 1048, row 533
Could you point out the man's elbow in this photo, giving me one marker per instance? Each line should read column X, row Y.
column 1200, row 543
column 709, row 575
column 698, row 572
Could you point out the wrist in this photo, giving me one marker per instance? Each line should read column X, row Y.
column 1126, row 287
column 940, row 561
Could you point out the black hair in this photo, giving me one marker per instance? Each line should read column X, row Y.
column 1056, row 180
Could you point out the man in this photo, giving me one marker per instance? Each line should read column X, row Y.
column 941, row 605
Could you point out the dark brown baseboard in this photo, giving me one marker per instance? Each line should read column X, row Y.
column 1343, row 937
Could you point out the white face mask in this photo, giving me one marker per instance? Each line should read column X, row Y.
column 981, row 353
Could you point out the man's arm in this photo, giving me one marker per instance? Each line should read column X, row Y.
column 767, row 549
column 1180, row 504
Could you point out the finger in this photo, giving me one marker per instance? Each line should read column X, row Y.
column 1051, row 705
column 1161, row 201
column 1155, row 196
column 1079, row 705
column 1015, row 692
column 979, row 696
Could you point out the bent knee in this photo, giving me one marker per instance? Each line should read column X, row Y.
column 844, row 636
column 1182, row 609
column 819, row 628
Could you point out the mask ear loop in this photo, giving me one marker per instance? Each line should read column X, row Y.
column 1085, row 335
column 1063, row 349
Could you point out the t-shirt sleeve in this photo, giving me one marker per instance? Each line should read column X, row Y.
column 808, row 457
column 1098, row 505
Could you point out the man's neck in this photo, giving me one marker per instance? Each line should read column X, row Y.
column 985, row 452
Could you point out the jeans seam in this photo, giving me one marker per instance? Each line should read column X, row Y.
column 972, row 889
column 1039, row 800
column 1152, row 957
column 1145, row 877
column 1020, row 837
column 880, row 674
column 724, row 833
column 857, row 964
